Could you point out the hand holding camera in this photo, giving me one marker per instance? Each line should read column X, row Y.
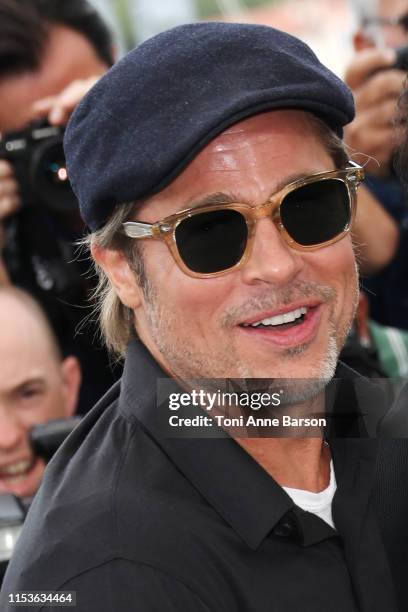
column 58, row 109
column 38, row 162
column 377, row 79
column 32, row 164
column 9, row 192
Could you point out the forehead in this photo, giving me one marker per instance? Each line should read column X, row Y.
column 24, row 344
column 68, row 56
column 392, row 8
column 248, row 161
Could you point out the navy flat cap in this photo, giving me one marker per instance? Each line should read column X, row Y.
column 145, row 120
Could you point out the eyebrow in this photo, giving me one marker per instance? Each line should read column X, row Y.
column 220, row 197
column 25, row 383
column 213, row 198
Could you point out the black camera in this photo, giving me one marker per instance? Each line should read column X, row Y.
column 402, row 58
column 45, row 439
column 37, row 156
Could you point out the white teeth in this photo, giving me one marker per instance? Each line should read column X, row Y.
column 287, row 317
column 19, row 467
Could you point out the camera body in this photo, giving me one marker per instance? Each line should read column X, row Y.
column 45, row 439
column 402, row 58
column 39, row 250
column 38, row 160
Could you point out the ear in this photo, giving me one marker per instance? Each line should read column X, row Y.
column 120, row 274
column 71, row 381
column 362, row 41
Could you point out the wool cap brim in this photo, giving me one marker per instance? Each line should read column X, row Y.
column 147, row 118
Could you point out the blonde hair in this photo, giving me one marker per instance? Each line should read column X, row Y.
column 115, row 319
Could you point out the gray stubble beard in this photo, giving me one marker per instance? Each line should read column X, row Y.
column 187, row 364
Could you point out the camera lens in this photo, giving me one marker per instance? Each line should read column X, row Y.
column 56, row 172
column 50, row 177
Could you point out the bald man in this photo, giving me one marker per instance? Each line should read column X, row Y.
column 36, row 385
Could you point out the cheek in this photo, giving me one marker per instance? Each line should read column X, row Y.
column 56, row 396
column 336, row 262
column 394, row 38
column 46, row 407
column 196, row 298
column 337, row 267
column 158, row 262
column 199, row 300
column 28, row 414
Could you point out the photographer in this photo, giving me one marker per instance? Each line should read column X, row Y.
column 381, row 229
column 51, row 53
column 38, row 397
column 36, row 385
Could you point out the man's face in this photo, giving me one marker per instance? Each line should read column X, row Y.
column 393, row 36
column 33, row 389
column 68, row 56
column 195, row 327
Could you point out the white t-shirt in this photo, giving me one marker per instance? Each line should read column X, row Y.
column 318, row 503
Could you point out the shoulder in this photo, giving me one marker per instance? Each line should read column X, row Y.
column 390, row 500
column 73, row 506
column 120, row 584
column 111, row 501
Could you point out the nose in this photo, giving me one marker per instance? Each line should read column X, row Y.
column 11, row 431
column 271, row 259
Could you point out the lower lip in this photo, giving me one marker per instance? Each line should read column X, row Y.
column 302, row 333
column 25, row 484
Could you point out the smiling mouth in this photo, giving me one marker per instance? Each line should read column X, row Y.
column 15, row 472
column 281, row 321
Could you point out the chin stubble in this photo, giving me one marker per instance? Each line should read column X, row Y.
column 187, row 362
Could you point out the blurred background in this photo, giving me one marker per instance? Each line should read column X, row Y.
column 326, row 25
column 54, row 366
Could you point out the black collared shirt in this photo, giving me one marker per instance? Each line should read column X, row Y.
column 135, row 522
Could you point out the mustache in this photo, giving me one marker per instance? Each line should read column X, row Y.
column 276, row 298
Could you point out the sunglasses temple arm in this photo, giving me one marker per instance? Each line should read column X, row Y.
column 134, row 229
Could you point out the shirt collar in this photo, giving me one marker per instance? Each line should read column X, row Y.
column 233, row 483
